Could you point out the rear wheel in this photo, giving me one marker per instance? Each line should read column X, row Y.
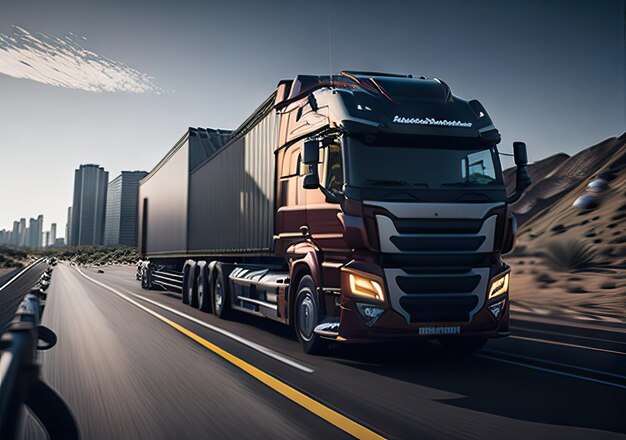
column 463, row 346
column 219, row 295
column 307, row 317
column 204, row 291
column 189, row 283
column 146, row 278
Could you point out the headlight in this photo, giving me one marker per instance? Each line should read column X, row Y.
column 499, row 286
column 367, row 287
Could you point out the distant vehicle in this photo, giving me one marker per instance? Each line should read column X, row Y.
column 357, row 208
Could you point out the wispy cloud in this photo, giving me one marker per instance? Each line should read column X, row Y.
column 63, row 62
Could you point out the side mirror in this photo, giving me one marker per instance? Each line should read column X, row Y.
column 311, row 153
column 522, row 176
column 311, row 180
column 520, row 154
column 311, row 158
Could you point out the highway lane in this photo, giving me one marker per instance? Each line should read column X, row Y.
column 126, row 373
column 13, row 287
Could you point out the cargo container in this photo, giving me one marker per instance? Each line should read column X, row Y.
column 356, row 207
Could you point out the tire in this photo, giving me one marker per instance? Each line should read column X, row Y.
column 307, row 317
column 146, row 279
column 204, row 287
column 463, row 346
column 189, row 293
column 219, row 295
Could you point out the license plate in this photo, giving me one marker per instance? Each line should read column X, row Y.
column 440, row 331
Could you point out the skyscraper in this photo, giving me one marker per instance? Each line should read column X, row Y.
column 15, row 235
column 68, row 227
column 53, row 235
column 35, row 231
column 88, row 208
column 121, row 211
column 23, row 233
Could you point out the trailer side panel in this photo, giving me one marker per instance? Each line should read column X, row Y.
column 231, row 196
column 163, row 197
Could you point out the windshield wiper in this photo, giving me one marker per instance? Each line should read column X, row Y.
column 487, row 182
column 383, row 182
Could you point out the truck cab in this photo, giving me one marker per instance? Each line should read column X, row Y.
column 391, row 202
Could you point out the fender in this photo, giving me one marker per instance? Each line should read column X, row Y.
column 303, row 259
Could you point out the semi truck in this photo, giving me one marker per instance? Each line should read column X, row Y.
column 358, row 207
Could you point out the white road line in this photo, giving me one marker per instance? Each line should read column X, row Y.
column 556, row 364
column 261, row 349
column 567, row 335
column 549, row 370
column 26, row 269
column 565, row 344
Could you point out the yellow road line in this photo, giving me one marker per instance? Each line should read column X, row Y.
column 333, row 417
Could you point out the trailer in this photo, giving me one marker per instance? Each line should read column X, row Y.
column 356, row 207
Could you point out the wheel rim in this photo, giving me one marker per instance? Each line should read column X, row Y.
column 306, row 317
column 200, row 292
column 219, row 296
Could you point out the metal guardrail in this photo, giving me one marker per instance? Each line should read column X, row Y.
column 20, row 372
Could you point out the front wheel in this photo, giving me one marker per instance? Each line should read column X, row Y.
column 463, row 346
column 307, row 314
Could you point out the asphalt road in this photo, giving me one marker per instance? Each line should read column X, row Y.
column 13, row 287
column 130, row 366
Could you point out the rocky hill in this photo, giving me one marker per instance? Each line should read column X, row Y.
column 561, row 174
column 570, row 256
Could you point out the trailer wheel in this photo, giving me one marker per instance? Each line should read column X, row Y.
column 463, row 346
column 189, row 283
column 146, row 278
column 307, row 317
column 204, row 291
column 219, row 295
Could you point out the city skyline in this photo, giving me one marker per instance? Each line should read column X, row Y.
column 549, row 73
column 29, row 235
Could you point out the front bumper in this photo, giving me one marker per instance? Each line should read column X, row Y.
column 351, row 326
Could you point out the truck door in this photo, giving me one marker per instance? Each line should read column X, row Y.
column 291, row 214
column 321, row 216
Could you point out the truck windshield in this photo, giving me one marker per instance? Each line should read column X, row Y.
column 420, row 167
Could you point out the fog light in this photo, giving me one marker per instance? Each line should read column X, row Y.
column 496, row 309
column 370, row 313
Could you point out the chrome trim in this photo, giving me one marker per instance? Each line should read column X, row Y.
column 258, row 302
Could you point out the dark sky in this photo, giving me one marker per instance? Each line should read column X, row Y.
column 551, row 73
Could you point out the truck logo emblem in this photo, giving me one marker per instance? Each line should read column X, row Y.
column 430, row 121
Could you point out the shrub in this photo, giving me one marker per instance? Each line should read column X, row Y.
column 569, row 254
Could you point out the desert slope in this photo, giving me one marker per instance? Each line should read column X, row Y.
column 570, row 260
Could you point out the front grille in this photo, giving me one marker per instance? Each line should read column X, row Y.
column 437, row 226
column 438, row 284
column 438, row 244
column 428, row 262
column 431, row 310
column 436, row 258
